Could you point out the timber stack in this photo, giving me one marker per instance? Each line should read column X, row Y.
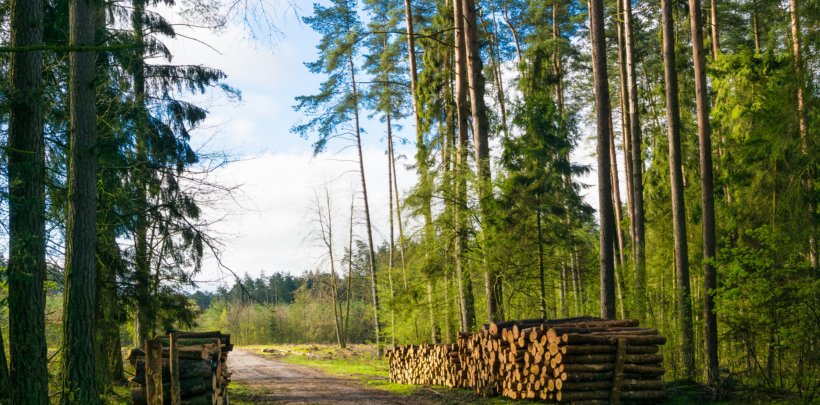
column 200, row 376
column 582, row 360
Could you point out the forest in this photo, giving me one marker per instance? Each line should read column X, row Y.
column 700, row 118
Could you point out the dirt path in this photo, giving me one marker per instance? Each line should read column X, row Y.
column 296, row 384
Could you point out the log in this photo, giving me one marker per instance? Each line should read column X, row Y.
column 187, row 353
column 626, row 385
column 637, row 340
column 559, row 331
column 611, row 358
column 215, row 342
column 204, row 399
column 607, row 376
column 153, row 372
column 620, row 358
column 226, row 338
column 188, row 388
column 187, row 369
column 646, row 369
column 176, row 398
column 570, row 396
column 605, row 349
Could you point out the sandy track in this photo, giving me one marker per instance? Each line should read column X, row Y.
column 296, row 384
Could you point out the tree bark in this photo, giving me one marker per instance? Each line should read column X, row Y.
column 541, row 266
column 755, row 27
column 676, row 175
column 28, row 381
column 639, row 259
column 617, row 243
column 616, row 195
column 371, row 252
column 481, row 139
column 797, row 45
column 710, row 340
column 576, row 282
column 464, row 282
column 563, row 290
column 716, row 33
column 390, row 247
column 606, row 217
column 79, row 364
column 144, row 318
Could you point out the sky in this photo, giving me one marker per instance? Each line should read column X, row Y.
column 266, row 227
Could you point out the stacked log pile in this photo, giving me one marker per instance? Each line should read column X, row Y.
column 583, row 360
column 201, row 372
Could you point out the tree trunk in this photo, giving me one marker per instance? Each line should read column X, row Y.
column 576, row 282
column 606, row 217
column 79, row 364
column 678, row 208
column 144, row 318
column 716, row 33
column 639, row 259
column 464, row 281
column 28, row 381
column 626, row 134
column 349, row 273
column 801, row 114
column 755, row 27
column 398, row 208
column 710, row 340
column 563, row 290
column 481, row 139
column 541, row 266
column 617, row 244
column 390, row 210
column 616, row 195
column 371, row 252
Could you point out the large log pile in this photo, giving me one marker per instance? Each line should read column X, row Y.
column 584, row 360
column 202, row 374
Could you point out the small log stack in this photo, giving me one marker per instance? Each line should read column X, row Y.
column 583, row 360
column 200, row 372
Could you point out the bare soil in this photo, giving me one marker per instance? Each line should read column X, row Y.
column 286, row 383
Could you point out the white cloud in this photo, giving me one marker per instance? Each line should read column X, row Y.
column 268, row 234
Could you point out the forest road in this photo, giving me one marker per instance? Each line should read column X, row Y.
column 294, row 384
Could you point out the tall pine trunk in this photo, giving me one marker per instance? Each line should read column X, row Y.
column 639, row 248
column 541, row 266
column 371, row 251
column 465, row 290
column 617, row 242
column 797, row 45
column 710, row 341
column 481, row 129
column 676, row 175
column 602, row 107
column 716, row 33
column 144, row 319
column 79, row 364
column 28, row 381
